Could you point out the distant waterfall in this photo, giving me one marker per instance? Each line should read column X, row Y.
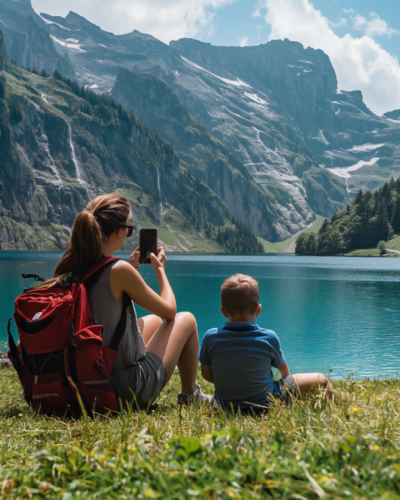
column 59, row 199
column 77, row 171
column 56, row 173
column 159, row 193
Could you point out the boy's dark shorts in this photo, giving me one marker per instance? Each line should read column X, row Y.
column 286, row 388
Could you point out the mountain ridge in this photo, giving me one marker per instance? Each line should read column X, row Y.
column 273, row 113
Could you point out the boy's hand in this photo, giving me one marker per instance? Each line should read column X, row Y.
column 134, row 258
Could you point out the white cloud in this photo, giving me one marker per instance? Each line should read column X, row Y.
column 165, row 19
column 360, row 63
column 348, row 11
column 375, row 26
column 256, row 12
column 342, row 22
column 244, row 41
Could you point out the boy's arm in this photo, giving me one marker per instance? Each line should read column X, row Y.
column 206, row 371
column 284, row 369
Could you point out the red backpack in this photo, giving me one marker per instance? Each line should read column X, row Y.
column 61, row 361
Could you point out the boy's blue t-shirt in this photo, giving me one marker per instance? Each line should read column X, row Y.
column 241, row 356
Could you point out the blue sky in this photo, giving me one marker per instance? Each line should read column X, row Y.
column 236, row 22
column 361, row 37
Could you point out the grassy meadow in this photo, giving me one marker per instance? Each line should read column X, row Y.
column 307, row 450
column 283, row 246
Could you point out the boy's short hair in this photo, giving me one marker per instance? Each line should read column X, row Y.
column 239, row 295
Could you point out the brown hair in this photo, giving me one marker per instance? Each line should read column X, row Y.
column 239, row 295
column 92, row 227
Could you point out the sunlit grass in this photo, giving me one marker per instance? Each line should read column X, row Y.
column 309, row 449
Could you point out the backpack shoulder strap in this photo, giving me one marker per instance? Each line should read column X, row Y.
column 91, row 277
column 120, row 328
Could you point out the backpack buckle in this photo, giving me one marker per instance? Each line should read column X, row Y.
column 71, row 279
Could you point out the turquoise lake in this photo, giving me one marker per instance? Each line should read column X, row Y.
column 330, row 312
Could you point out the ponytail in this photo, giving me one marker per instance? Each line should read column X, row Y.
column 92, row 227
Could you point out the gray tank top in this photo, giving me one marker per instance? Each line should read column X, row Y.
column 106, row 310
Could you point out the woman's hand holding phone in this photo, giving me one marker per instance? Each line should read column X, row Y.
column 158, row 261
column 134, row 258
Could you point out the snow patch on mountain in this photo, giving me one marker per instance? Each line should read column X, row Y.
column 345, row 172
column 366, row 147
column 52, row 22
column 255, row 98
column 321, row 138
column 237, row 82
column 67, row 43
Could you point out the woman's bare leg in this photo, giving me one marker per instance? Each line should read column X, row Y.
column 148, row 326
column 177, row 344
column 308, row 381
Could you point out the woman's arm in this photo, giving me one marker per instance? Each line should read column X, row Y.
column 125, row 278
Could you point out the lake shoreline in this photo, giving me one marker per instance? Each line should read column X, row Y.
column 288, row 254
column 334, row 313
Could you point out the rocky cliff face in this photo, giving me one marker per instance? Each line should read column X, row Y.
column 3, row 53
column 334, row 125
column 59, row 151
column 296, row 78
column 27, row 40
column 205, row 157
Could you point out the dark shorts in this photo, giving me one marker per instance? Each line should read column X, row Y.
column 142, row 383
column 286, row 388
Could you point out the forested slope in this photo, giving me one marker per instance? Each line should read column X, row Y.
column 372, row 217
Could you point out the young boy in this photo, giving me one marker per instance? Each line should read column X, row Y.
column 238, row 357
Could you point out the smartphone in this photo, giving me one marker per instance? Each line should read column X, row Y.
column 147, row 245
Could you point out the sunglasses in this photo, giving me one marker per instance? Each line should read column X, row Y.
column 130, row 228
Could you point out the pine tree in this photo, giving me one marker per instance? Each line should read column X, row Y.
column 396, row 216
column 324, row 226
column 359, row 198
column 382, row 223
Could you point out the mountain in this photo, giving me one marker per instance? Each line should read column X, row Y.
column 345, row 137
column 263, row 139
column 264, row 128
column 62, row 144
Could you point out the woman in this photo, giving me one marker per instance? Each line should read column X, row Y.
column 150, row 348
